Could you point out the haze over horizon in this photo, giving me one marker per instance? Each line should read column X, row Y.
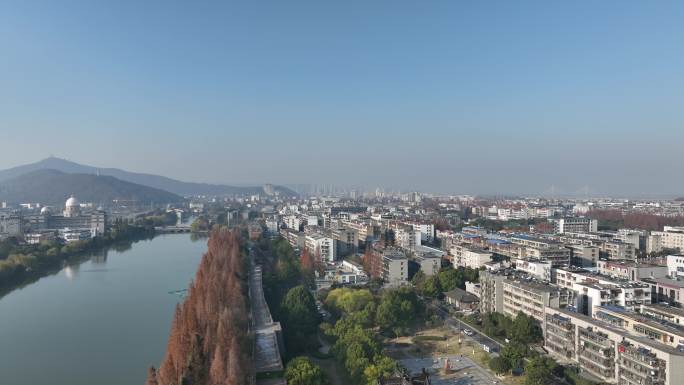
column 447, row 97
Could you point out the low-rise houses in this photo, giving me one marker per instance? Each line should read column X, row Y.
column 461, row 299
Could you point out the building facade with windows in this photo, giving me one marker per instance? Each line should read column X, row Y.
column 609, row 352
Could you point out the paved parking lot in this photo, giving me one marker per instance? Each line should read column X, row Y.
column 464, row 371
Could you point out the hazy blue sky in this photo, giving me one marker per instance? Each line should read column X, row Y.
column 460, row 96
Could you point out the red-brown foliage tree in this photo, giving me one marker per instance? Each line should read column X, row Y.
column 643, row 221
column 209, row 343
column 306, row 261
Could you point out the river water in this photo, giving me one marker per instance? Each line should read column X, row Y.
column 101, row 322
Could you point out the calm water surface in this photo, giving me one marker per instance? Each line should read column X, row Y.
column 102, row 322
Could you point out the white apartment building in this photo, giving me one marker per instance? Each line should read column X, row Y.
column 10, row 225
column 633, row 237
column 675, row 265
column 538, row 269
column 617, row 250
column 575, row 225
column 542, row 249
column 427, row 231
column 296, row 239
column 532, row 298
column 312, row 220
column 346, row 238
column 429, row 263
column 630, row 270
column 292, row 222
column 609, row 352
column 394, row 268
column 323, row 247
column 467, row 256
column 364, row 229
column 652, row 322
column 593, row 290
column 584, row 255
column 670, row 238
column 406, row 237
column 474, row 288
column 667, row 290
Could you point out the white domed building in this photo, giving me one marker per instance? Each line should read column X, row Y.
column 72, row 208
column 73, row 224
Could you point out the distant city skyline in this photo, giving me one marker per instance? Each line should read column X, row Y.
column 445, row 97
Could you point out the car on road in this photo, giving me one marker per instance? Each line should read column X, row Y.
column 468, row 332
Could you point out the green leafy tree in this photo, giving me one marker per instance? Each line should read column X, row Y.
column 540, row 372
column 514, row 353
column 450, row 278
column 397, row 310
column 383, row 366
column 300, row 319
column 525, row 329
column 499, row 365
column 432, row 288
column 301, row 371
column 347, row 301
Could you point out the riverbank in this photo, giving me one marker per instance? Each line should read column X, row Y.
column 25, row 264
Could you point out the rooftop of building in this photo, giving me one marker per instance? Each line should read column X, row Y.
column 394, row 254
column 665, row 309
column 527, row 282
column 461, row 295
column 475, row 249
column 676, row 283
column 628, row 263
column 647, row 320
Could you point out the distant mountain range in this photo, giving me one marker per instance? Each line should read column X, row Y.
column 150, row 180
column 53, row 187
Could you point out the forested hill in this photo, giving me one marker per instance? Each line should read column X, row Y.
column 52, row 187
column 150, row 180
